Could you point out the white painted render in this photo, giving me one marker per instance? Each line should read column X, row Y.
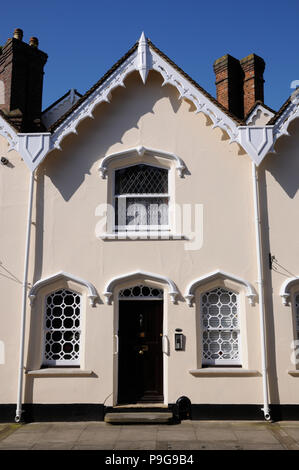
column 66, row 253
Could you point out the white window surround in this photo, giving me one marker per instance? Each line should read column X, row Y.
column 221, row 275
column 140, row 276
column 285, row 290
column 209, row 282
column 92, row 292
column 141, row 151
column 143, row 233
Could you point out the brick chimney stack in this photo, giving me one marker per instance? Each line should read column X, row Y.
column 253, row 67
column 239, row 84
column 21, row 82
column 229, row 84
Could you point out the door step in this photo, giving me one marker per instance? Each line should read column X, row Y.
column 139, row 417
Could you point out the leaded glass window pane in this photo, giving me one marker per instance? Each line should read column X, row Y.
column 62, row 328
column 142, row 211
column 141, row 179
column 141, row 198
column 219, row 309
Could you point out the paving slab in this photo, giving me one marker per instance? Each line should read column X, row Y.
column 189, row 435
column 137, row 445
column 255, row 436
column 199, row 445
column 138, row 434
column 53, row 446
column 262, row 447
column 211, row 435
column 175, row 434
column 291, row 431
column 100, row 446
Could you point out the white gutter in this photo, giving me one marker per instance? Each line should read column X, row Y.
column 258, row 237
column 24, row 303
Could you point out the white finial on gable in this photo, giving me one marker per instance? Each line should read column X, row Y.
column 72, row 96
column 143, row 59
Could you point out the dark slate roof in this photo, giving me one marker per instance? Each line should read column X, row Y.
column 60, row 99
column 279, row 112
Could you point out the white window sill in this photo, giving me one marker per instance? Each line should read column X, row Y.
column 60, row 372
column 294, row 373
column 224, row 372
column 142, row 236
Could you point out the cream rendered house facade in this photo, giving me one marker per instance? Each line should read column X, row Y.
column 149, row 250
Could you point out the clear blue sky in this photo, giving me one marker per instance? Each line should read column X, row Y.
column 83, row 39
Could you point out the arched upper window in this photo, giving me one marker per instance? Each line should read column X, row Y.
column 62, row 328
column 141, row 198
column 141, row 292
column 220, row 327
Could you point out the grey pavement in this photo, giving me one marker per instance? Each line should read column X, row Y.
column 188, row 435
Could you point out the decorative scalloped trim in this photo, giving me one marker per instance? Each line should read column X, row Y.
column 142, row 275
column 190, row 292
column 289, row 114
column 143, row 60
column 56, row 111
column 100, row 95
column 8, row 132
column 254, row 114
column 187, row 90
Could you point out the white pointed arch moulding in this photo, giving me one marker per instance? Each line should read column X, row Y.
column 140, row 275
column 92, row 292
column 285, row 293
column 190, row 291
column 141, row 151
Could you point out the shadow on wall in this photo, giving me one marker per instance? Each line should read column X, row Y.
column 284, row 165
column 111, row 121
column 269, row 310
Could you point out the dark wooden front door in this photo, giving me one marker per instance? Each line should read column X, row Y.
column 140, row 366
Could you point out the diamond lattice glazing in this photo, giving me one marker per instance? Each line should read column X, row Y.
column 141, row 179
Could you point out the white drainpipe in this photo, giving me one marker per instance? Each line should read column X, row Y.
column 24, row 303
column 258, row 237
